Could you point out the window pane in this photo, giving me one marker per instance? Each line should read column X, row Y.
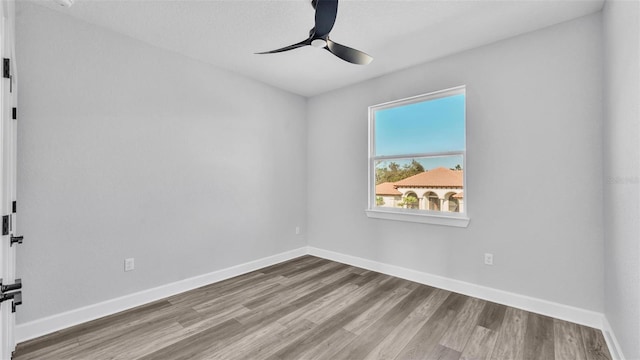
column 430, row 126
column 434, row 183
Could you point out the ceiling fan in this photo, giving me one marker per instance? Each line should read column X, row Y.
column 326, row 12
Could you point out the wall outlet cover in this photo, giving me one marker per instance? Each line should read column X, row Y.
column 129, row 264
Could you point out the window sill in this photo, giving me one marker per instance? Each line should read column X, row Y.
column 456, row 221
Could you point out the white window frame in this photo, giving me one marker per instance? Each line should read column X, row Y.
column 412, row 215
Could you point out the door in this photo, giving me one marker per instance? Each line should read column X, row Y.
column 9, row 289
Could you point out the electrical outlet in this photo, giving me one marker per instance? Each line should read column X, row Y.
column 297, row 230
column 488, row 259
column 129, row 264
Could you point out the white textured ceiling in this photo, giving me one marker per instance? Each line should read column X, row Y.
column 398, row 34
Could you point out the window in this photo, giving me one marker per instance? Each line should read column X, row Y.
column 417, row 152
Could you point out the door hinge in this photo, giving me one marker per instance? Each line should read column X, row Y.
column 6, row 68
column 6, row 225
column 14, row 207
column 17, row 285
column 16, row 240
column 8, row 292
column 15, row 296
column 15, row 114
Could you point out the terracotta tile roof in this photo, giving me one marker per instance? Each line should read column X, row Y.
column 387, row 189
column 459, row 195
column 442, row 177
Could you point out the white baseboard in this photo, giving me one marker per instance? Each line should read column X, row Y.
column 544, row 307
column 47, row 325
column 612, row 342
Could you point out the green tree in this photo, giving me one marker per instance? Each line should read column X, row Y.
column 393, row 172
column 415, row 167
column 379, row 201
column 408, row 201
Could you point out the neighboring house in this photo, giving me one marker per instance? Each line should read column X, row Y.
column 439, row 189
column 387, row 195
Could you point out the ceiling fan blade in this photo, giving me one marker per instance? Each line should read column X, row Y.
column 290, row 47
column 326, row 12
column 348, row 54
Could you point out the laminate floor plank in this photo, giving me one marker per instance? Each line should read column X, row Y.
column 291, row 264
column 189, row 317
column 246, row 281
column 362, row 345
column 328, row 347
column 196, row 344
column 300, row 285
column 247, row 334
column 285, row 298
column 492, row 316
column 269, row 344
column 318, row 304
column 105, row 339
column 426, row 340
column 277, row 310
column 241, row 343
column 306, row 268
column 333, row 277
column 116, row 321
column 338, row 304
column 371, row 316
column 136, row 345
column 594, row 344
column 568, row 343
column 335, row 322
column 202, row 304
column 359, row 271
column 399, row 337
column 539, row 338
column 444, row 353
column 480, row 344
column 511, row 335
column 196, row 328
column 62, row 350
column 314, row 309
column 132, row 342
column 315, row 274
column 211, row 318
column 218, row 289
column 369, row 277
column 463, row 325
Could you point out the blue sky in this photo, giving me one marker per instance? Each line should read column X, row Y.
column 425, row 127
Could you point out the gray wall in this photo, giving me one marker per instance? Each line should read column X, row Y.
column 621, row 21
column 534, row 168
column 126, row 150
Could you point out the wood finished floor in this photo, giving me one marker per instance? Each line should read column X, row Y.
column 311, row 308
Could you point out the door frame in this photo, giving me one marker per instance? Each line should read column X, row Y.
column 8, row 132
